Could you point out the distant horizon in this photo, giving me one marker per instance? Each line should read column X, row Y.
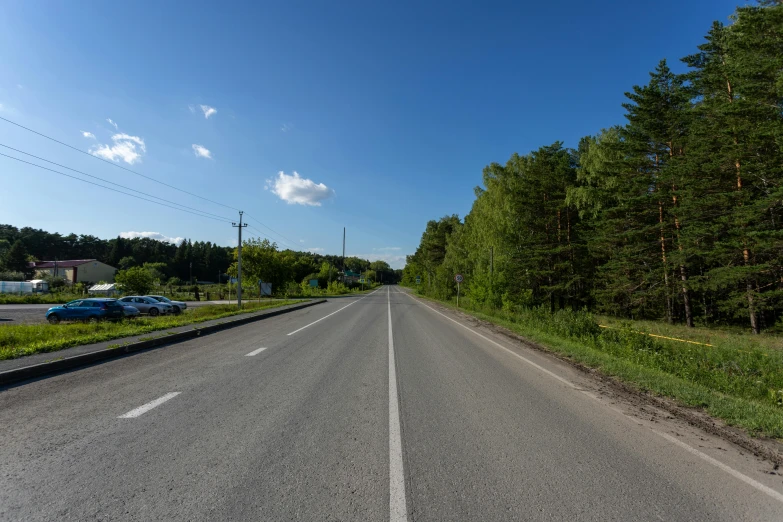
column 372, row 117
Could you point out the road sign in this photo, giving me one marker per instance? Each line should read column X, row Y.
column 458, row 278
column 362, row 281
column 418, row 280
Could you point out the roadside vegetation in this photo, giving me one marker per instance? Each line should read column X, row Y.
column 20, row 340
column 674, row 214
column 738, row 379
column 185, row 271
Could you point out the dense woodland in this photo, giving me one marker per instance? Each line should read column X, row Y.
column 172, row 263
column 675, row 214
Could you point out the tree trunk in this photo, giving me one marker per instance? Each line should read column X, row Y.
column 686, row 298
column 669, row 316
column 754, row 319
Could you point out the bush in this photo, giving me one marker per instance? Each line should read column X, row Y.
column 136, row 280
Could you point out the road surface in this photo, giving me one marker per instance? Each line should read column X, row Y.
column 376, row 407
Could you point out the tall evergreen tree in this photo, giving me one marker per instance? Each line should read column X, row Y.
column 16, row 258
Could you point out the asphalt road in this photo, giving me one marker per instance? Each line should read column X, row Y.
column 366, row 408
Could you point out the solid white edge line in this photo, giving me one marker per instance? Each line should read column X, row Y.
column 398, row 511
column 255, row 352
column 512, row 352
column 324, row 317
column 731, row 471
column 147, row 407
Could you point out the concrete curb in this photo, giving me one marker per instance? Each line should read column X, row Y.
column 39, row 370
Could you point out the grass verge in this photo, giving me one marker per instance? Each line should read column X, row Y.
column 53, row 298
column 738, row 382
column 20, row 340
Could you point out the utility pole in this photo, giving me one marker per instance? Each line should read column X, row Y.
column 343, row 253
column 240, row 226
column 190, row 274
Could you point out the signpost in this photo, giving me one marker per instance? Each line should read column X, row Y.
column 458, row 278
column 418, row 280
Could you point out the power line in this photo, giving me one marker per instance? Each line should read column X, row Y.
column 291, row 241
column 112, row 189
column 110, row 182
column 114, row 164
column 291, row 244
column 266, row 236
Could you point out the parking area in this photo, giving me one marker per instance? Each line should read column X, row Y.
column 36, row 313
column 16, row 314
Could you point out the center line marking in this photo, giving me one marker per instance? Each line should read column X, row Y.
column 255, row 352
column 147, row 407
column 398, row 511
column 324, row 317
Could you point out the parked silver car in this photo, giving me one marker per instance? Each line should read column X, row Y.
column 147, row 305
column 179, row 306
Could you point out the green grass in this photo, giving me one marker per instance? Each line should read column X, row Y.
column 739, row 379
column 718, row 336
column 20, row 340
column 53, row 298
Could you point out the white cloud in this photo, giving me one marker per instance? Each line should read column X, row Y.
column 152, row 235
column 208, row 111
column 192, row 109
column 286, row 127
column 126, row 148
column 294, row 189
column 386, row 249
column 88, row 134
column 301, row 240
column 315, row 250
column 114, row 124
column 19, row 86
column 201, row 152
column 394, row 260
column 1, row 107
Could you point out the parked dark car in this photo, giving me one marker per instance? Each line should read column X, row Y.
column 92, row 310
column 131, row 312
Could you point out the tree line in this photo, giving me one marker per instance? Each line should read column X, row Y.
column 177, row 264
column 676, row 214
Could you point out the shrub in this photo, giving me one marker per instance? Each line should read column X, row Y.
column 136, row 280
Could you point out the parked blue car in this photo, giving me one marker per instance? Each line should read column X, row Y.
column 92, row 310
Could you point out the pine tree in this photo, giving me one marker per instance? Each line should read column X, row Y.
column 655, row 134
column 16, row 258
column 737, row 151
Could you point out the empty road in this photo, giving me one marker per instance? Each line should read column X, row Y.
column 375, row 407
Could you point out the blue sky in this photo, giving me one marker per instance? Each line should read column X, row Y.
column 386, row 111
